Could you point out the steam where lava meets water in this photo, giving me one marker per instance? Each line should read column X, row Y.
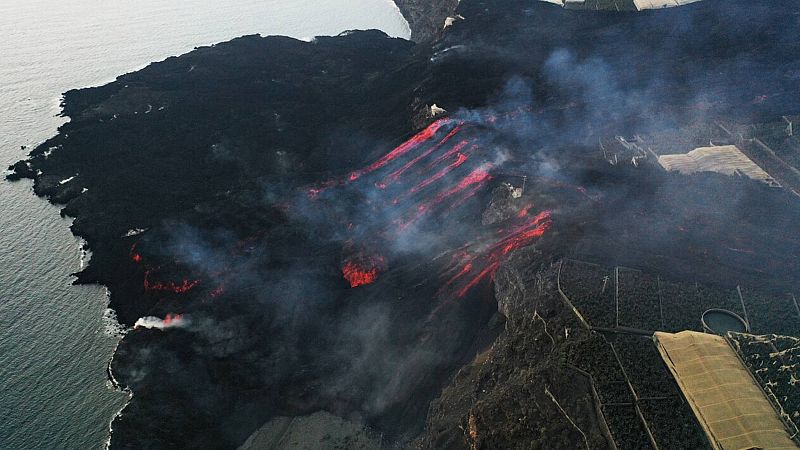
column 335, row 246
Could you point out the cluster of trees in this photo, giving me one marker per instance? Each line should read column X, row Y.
column 775, row 135
column 668, row 417
column 595, row 356
column 644, row 298
column 648, row 303
column 722, row 299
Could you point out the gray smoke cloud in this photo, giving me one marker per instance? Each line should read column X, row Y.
column 287, row 315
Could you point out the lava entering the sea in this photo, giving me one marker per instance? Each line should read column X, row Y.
column 169, row 321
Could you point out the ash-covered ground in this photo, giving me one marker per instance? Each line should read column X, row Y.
column 296, row 229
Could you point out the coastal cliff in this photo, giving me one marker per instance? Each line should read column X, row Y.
column 426, row 18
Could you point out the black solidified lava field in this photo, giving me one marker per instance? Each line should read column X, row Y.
column 303, row 234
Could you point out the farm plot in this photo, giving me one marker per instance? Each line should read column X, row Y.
column 771, row 313
column 590, row 288
column 639, row 302
column 596, row 357
column 775, row 362
column 644, row 366
column 682, row 307
column 626, row 427
column 673, row 424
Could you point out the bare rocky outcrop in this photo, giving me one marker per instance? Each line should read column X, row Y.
column 318, row 431
column 517, row 394
column 426, row 17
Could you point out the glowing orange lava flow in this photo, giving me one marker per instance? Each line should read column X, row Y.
column 469, row 185
column 443, row 157
column 218, row 291
column 135, row 256
column 361, row 270
column 358, row 276
column 172, row 319
column 160, row 286
column 418, row 139
column 429, row 179
column 410, row 144
column 394, row 176
column 460, row 159
column 488, row 259
column 477, row 176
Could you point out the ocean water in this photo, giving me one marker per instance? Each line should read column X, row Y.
column 56, row 339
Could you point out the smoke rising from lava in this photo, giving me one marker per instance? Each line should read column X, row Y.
column 363, row 283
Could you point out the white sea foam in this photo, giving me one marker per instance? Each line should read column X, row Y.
column 111, row 324
column 107, row 38
column 85, row 256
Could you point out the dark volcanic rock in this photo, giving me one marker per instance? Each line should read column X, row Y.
column 190, row 129
column 20, row 170
column 234, row 184
column 505, row 397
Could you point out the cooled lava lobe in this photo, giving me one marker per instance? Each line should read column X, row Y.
column 331, row 245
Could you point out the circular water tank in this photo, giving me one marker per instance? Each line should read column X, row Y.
column 720, row 321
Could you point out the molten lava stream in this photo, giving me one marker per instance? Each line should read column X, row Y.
column 172, row 319
column 360, row 270
column 411, row 144
column 489, row 258
column 468, row 185
column 460, row 159
column 402, row 149
column 394, row 176
column 135, row 256
column 160, row 286
column 446, row 155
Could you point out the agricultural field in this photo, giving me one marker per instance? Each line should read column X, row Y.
column 673, row 424
column 682, row 307
column 775, row 362
column 626, row 427
column 628, row 298
column 590, row 288
column 774, row 314
column 639, row 302
column 596, row 357
column 644, row 366
column 668, row 417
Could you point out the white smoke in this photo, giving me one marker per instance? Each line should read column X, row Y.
column 170, row 321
